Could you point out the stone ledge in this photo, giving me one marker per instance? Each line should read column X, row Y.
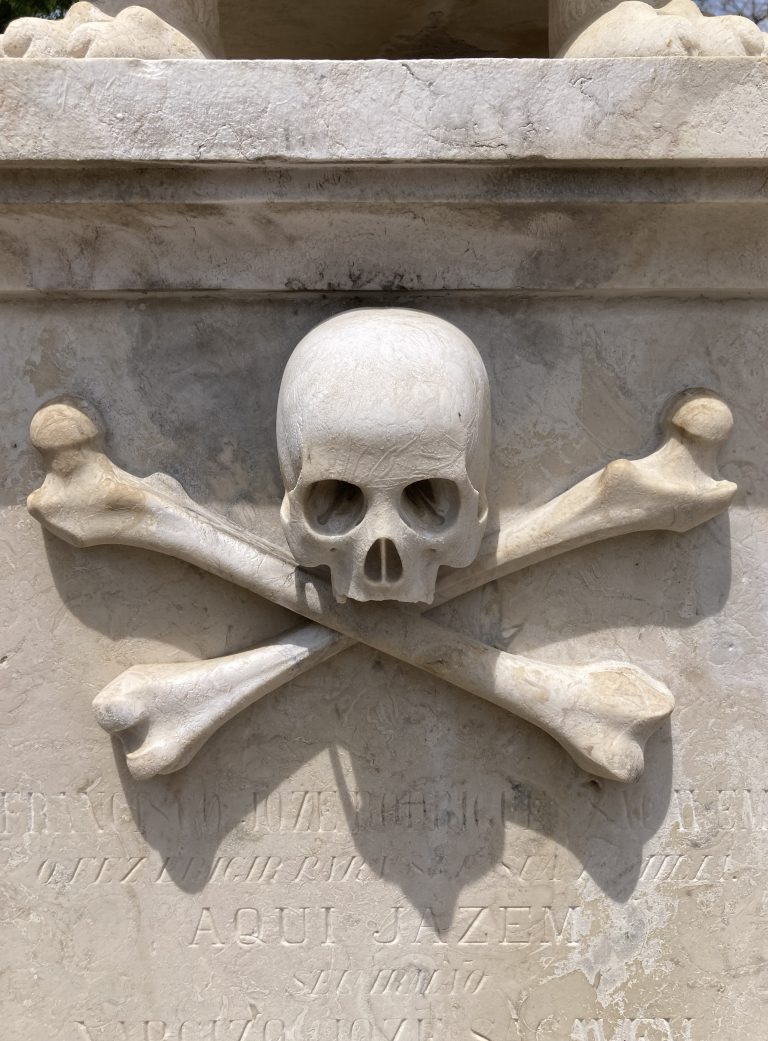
column 637, row 111
column 376, row 228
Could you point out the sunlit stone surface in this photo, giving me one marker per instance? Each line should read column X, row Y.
column 370, row 853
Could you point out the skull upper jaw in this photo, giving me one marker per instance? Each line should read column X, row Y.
column 355, row 579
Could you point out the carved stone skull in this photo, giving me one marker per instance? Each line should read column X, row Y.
column 383, row 433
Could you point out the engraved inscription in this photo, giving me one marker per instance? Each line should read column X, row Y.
column 506, row 926
column 387, row 1028
column 252, row 926
column 328, row 811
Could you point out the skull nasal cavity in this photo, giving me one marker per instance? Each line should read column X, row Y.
column 382, row 562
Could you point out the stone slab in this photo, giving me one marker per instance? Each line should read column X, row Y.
column 371, row 854
column 645, row 111
column 176, row 909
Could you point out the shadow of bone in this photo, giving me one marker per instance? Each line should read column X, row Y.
column 426, row 789
column 502, row 786
column 141, row 599
column 407, row 739
column 451, row 738
column 641, row 583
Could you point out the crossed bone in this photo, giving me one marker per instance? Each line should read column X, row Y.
column 601, row 713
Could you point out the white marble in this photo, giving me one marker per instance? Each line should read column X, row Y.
column 593, row 111
column 602, row 714
column 429, row 800
column 370, row 853
column 642, row 29
column 384, row 440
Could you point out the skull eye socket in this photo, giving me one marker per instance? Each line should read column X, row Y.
column 333, row 507
column 430, row 505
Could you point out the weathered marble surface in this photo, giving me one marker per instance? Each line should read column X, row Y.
column 484, row 110
column 536, row 904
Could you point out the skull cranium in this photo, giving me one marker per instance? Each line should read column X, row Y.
column 383, row 432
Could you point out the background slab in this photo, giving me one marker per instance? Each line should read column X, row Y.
column 371, row 855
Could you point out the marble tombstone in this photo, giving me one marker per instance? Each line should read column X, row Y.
column 384, row 615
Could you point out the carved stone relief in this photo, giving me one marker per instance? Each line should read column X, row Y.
column 207, row 28
column 517, row 500
column 383, row 413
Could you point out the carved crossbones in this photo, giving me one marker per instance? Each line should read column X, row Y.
column 602, row 713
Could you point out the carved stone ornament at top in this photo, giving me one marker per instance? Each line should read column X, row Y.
column 383, row 442
column 401, row 29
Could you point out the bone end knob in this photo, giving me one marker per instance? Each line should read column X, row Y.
column 698, row 423
column 700, row 415
column 84, row 499
column 118, row 707
column 62, row 430
column 136, row 708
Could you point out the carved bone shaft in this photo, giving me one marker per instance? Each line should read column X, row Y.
column 601, row 714
column 675, row 488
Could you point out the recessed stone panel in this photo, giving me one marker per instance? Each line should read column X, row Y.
column 370, row 852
